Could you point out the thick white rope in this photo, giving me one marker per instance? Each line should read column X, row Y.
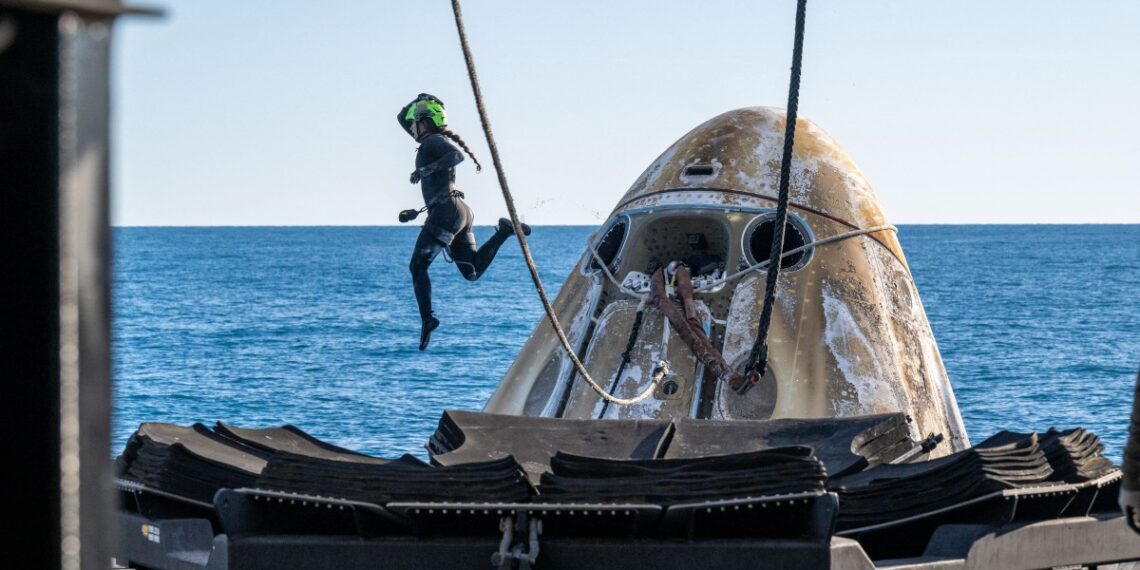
column 790, row 252
column 662, row 368
column 606, row 270
column 754, row 267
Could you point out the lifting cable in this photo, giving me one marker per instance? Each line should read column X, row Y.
column 762, row 264
column 626, row 356
column 758, row 358
column 662, row 368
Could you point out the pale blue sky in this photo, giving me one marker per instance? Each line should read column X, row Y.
column 281, row 113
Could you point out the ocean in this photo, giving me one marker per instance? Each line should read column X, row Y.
column 1038, row 326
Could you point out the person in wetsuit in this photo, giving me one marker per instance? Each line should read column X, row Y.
column 449, row 220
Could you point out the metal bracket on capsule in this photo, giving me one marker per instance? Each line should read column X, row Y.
column 749, row 380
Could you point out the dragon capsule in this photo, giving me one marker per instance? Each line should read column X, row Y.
column 849, row 334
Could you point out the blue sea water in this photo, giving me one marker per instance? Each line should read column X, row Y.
column 317, row 327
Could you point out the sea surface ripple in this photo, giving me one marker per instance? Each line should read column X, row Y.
column 316, row 326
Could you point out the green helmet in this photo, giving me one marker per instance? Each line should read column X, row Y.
column 426, row 106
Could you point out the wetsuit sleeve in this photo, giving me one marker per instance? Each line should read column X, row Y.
column 400, row 119
column 440, row 154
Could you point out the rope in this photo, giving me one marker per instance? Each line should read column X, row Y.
column 758, row 265
column 609, row 275
column 758, row 358
column 791, row 252
column 661, row 371
column 626, row 356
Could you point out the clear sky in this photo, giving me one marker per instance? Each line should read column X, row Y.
column 282, row 112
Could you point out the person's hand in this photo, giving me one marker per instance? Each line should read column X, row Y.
column 416, row 175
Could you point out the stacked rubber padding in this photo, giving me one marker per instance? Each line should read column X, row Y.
column 406, row 479
column 844, row 445
column 891, row 492
column 194, row 462
column 190, row 462
column 1007, row 460
column 289, row 439
column 701, row 462
column 466, row 437
column 777, row 471
column 1074, row 454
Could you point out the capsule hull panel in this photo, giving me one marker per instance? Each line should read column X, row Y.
column 849, row 333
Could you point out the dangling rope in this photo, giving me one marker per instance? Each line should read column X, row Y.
column 758, row 358
column 662, row 368
column 626, row 356
column 762, row 264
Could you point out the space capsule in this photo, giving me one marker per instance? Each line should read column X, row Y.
column 849, row 334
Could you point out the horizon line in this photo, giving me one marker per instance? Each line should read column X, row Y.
column 124, row 226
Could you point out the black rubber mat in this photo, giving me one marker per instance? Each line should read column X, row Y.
column 844, row 445
column 192, row 462
column 616, row 461
column 892, row 492
column 668, row 481
column 404, row 479
column 289, row 439
column 464, row 437
column 1074, row 454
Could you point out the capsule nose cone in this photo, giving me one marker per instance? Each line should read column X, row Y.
column 736, row 157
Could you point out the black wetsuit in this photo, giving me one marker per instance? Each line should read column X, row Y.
column 449, row 220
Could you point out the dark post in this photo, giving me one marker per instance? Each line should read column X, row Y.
column 1130, row 484
column 29, row 218
column 55, row 369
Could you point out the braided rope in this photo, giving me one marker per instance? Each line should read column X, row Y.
column 661, row 370
column 758, row 358
column 626, row 356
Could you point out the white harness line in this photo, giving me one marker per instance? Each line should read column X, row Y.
column 756, row 266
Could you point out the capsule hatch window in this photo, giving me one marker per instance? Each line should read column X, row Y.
column 610, row 245
column 756, row 242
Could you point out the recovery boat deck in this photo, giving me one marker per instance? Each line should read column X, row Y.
column 851, row 493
